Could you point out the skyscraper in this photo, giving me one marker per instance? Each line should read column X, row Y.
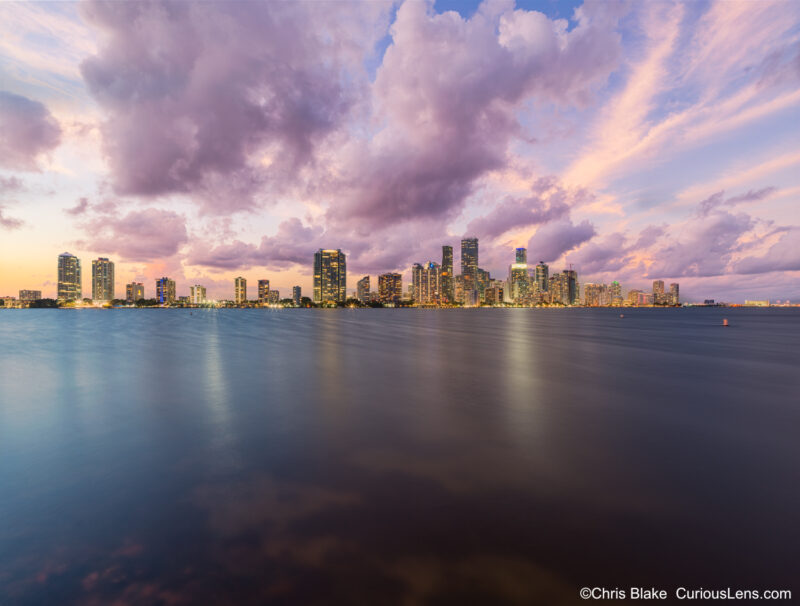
column 263, row 291
column 674, row 294
column 102, row 279
column 330, row 276
column 69, row 278
column 658, row 292
column 297, row 295
column 448, row 277
column 542, row 277
column 573, row 288
column 362, row 290
column 197, row 294
column 240, row 291
column 521, row 255
column 615, row 291
column 518, row 279
column 390, row 288
column 134, row 291
column 165, row 290
column 469, row 258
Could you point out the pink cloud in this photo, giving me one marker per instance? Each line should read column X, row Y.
column 27, row 130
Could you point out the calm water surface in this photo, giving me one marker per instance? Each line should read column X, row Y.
column 395, row 456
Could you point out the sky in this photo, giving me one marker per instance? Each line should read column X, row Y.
column 202, row 141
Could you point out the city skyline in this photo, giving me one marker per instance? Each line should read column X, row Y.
column 663, row 154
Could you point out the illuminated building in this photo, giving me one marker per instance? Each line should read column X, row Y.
column 102, row 279
column 390, row 288
column 263, row 292
column 240, row 291
column 518, row 278
column 427, row 283
column 69, row 278
column 750, row 303
column 459, row 289
column 645, row 298
column 362, row 290
column 297, row 295
column 615, row 293
column 448, row 277
column 134, row 291
column 30, row 295
column 592, row 294
column 274, row 297
column 674, row 294
column 494, row 294
column 484, row 278
column 330, row 276
column 165, row 291
column 571, row 296
column 197, row 294
column 658, row 292
column 542, row 277
column 633, row 296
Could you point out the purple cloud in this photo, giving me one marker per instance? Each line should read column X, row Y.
column 79, row 209
column 10, row 184
column 7, row 222
column 557, row 238
column 27, row 129
column 784, row 255
column 448, row 91
column 607, row 254
column 196, row 92
column 718, row 199
column 143, row 235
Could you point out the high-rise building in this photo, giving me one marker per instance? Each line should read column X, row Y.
column 362, row 290
column 674, row 294
column 165, row 291
column 591, row 294
column 30, row 295
column 469, row 263
column 69, row 278
column 330, row 276
column 448, row 277
column 263, row 291
column 542, row 277
column 197, row 294
column 521, row 255
column 615, row 294
column 658, row 292
column 134, row 291
column 518, row 279
column 573, row 288
column 297, row 295
column 102, row 279
column 274, row 297
column 240, row 291
column 495, row 294
column 427, row 283
column 390, row 288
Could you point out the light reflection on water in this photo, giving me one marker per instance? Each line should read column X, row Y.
column 394, row 456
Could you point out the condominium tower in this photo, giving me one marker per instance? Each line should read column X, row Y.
column 102, row 279
column 240, row 291
column 69, row 278
column 330, row 276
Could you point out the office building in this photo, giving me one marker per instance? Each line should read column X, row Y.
column 592, row 294
column 658, row 292
column 134, row 291
column 30, row 295
column 469, row 263
column 448, row 277
column 263, row 292
column 197, row 294
column 521, row 255
column 427, row 283
column 240, row 291
column 390, row 288
column 69, row 278
column 102, row 279
column 542, row 277
column 165, row 291
column 518, row 278
column 330, row 276
column 362, row 290
column 674, row 294
column 572, row 287
column 615, row 294
column 495, row 293
column 297, row 295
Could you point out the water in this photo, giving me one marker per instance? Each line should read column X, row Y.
column 395, row 456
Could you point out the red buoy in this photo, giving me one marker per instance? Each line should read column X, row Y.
column 725, row 321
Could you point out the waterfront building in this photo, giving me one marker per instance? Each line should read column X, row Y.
column 542, row 277
column 615, row 294
column 102, row 279
column 484, row 278
column 274, row 297
column 633, row 296
column 330, row 276
column 297, row 295
column 362, row 290
column 658, row 292
column 197, row 294
column 69, row 278
column 427, row 283
column 240, row 291
column 165, row 291
column 751, row 303
column 593, row 294
column 645, row 298
column 390, row 288
column 572, row 286
column 30, row 295
column 518, row 278
column 134, row 291
column 448, row 276
column 495, row 294
column 469, row 263
column 263, row 292
column 674, row 294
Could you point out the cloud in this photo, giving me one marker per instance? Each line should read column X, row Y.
column 142, row 235
column 554, row 239
column 718, row 199
column 609, row 253
column 27, row 130
column 7, row 222
column 784, row 255
column 217, row 98
column 10, row 184
column 79, row 209
column 447, row 96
